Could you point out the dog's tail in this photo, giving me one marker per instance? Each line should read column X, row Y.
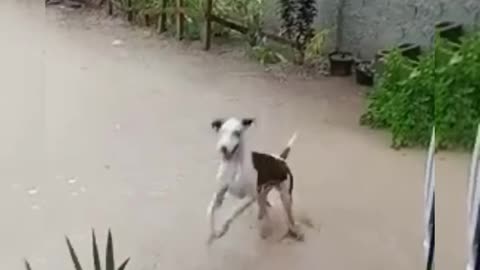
column 286, row 151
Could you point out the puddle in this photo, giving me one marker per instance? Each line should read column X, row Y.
column 72, row 181
column 32, row 191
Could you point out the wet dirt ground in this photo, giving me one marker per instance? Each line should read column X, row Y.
column 101, row 136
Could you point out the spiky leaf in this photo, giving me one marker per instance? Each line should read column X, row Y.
column 27, row 265
column 124, row 264
column 75, row 260
column 96, row 256
column 110, row 261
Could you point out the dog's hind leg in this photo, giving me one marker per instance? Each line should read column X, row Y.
column 286, row 198
column 262, row 201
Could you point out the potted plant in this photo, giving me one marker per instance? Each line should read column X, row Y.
column 449, row 30
column 364, row 72
column 341, row 62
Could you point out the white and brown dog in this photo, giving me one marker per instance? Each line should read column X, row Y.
column 249, row 176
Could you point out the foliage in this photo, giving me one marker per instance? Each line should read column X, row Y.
column 402, row 101
column 316, row 47
column 245, row 12
column 109, row 258
column 267, row 54
column 442, row 88
column 297, row 21
column 457, row 97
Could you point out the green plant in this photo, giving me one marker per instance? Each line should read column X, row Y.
column 316, row 47
column 27, row 265
column 109, row 257
column 443, row 88
column 266, row 55
column 402, row 101
column 297, row 22
column 457, row 97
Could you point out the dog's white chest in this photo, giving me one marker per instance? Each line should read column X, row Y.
column 241, row 182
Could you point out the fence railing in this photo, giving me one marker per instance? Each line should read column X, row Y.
column 473, row 203
column 429, row 241
column 179, row 10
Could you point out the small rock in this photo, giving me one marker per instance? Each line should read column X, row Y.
column 72, row 181
column 32, row 191
column 117, row 42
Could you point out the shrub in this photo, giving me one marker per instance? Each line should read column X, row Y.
column 442, row 88
column 403, row 100
column 109, row 256
column 457, row 95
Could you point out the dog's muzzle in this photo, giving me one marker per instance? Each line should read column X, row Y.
column 227, row 155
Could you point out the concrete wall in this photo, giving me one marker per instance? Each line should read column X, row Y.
column 369, row 25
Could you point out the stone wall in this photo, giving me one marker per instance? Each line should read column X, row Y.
column 369, row 25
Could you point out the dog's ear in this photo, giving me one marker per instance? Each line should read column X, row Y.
column 217, row 124
column 247, row 122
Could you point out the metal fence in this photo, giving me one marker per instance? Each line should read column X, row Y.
column 473, row 201
column 429, row 241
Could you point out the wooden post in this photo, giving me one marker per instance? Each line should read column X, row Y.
column 162, row 19
column 110, row 7
column 208, row 25
column 180, row 19
column 130, row 11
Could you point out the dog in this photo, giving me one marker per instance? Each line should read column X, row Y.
column 249, row 176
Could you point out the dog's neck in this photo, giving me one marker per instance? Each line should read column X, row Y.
column 238, row 157
column 239, row 163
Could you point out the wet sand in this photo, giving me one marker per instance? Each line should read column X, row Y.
column 125, row 132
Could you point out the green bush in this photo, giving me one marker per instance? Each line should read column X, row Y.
column 403, row 100
column 442, row 88
column 457, row 92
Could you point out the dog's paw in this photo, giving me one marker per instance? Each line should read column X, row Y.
column 212, row 237
column 265, row 231
column 296, row 234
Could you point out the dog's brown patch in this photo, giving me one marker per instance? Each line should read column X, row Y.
column 271, row 171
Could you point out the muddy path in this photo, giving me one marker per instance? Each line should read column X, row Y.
column 125, row 132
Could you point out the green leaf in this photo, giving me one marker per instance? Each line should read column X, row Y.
column 73, row 255
column 124, row 264
column 27, row 265
column 96, row 256
column 110, row 261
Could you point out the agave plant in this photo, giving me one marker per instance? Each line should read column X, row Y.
column 109, row 258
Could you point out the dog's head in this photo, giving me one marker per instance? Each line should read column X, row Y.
column 230, row 133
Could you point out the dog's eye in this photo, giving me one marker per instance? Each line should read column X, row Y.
column 237, row 134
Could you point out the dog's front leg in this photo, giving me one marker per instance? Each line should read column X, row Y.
column 236, row 213
column 215, row 203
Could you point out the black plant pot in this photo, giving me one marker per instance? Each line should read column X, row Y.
column 340, row 63
column 410, row 50
column 450, row 30
column 380, row 60
column 364, row 73
column 381, row 54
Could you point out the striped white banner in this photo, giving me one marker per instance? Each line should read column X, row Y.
column 429, row 241
column 473, row 207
